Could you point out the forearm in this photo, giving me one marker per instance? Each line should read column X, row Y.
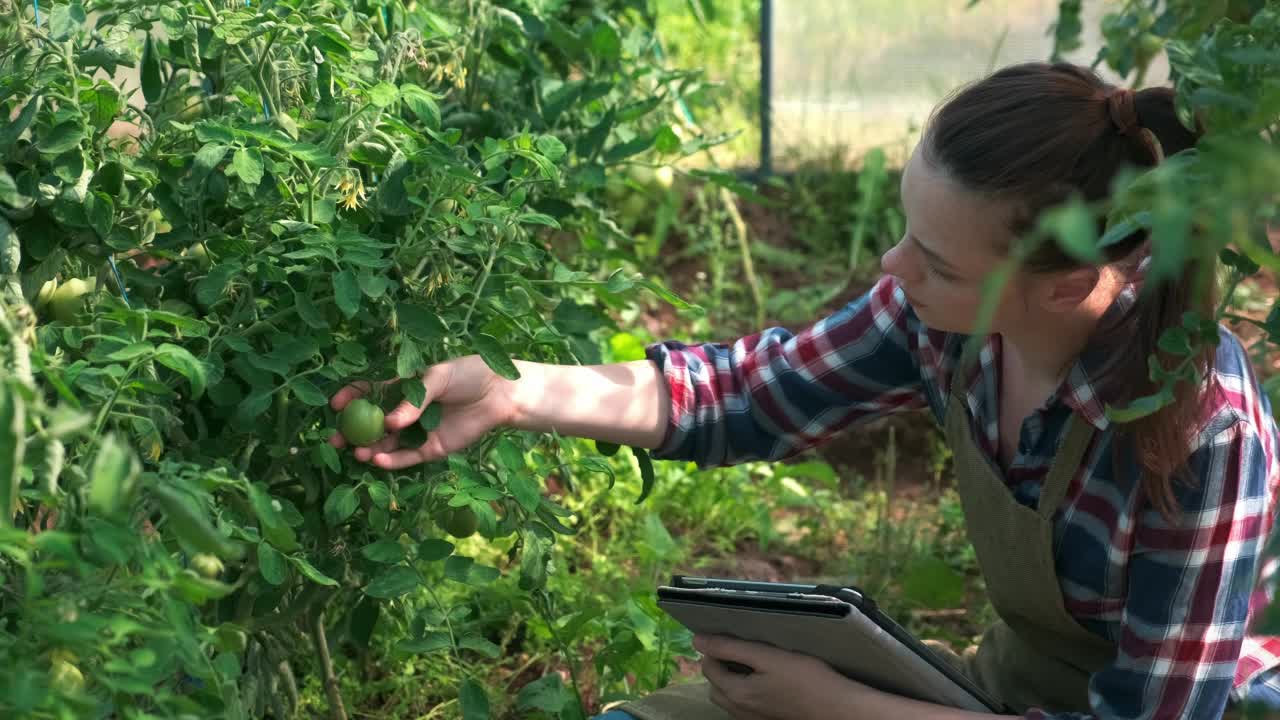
column 623, row 403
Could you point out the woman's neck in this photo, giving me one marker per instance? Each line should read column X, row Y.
column 1043, row 350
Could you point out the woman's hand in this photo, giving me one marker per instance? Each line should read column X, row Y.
column 474, row 400
column 783, row 685
column 789, row 686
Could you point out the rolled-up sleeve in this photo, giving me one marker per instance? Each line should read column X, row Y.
column 771, row 394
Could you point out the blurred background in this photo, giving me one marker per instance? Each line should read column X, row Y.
column 850, row 77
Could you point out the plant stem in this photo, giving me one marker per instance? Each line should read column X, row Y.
column 337, row 711
column 448, row 624
column 257, row 78
column 484, row 278
column 106, row 409
column 543, row 606
column 748, row 267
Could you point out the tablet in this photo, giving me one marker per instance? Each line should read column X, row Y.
column 840, row 625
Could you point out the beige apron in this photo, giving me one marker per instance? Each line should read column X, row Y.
column 1036, row 654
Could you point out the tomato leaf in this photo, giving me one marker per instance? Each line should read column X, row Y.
column 383, row 94
column 547, row 694
column 430, row 642
column 207, row 158
column 473, row 700
column 309, row 570
column 65, row 20
column 247, row 163
column 646, row 473
column 431, row 416
column 393, row 582
column 420, row 323
column 409, row 360
column 271, row 564
column 346, row 293
column 422, row 104
column 307, row 392
column 181, row 361
column 271, row 518
column 340, row 505
column 115, row 468
column 380, row 494
column 13, row 426
column 1141, row 407
column 433, row 549
column 63, row 137
column 495, row 356
column 383, row 551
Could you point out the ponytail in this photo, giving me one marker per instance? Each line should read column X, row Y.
column 1160, row 441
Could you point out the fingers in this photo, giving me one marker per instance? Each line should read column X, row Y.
column 401, row 458
column 344, row 396
column 723, row 647
column 435, row 380
column 452, row 436
column 405, row 414
column 386, row 444
column 736, row 711
column 719, row 675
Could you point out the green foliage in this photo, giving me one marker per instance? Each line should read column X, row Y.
column 311, row 194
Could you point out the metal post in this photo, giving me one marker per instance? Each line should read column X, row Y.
column 766, row 88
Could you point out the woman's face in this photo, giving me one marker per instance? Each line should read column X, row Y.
column 950, row 246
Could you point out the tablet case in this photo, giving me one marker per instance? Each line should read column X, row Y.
column 839, row 625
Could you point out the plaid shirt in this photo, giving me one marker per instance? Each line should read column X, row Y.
column 1175, row 599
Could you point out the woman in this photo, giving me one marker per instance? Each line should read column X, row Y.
column 1122, row 560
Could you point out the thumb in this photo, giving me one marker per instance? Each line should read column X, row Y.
column 435, row 380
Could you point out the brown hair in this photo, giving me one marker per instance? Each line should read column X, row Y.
column 1038, row 133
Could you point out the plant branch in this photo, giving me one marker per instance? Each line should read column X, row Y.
column 337, row 711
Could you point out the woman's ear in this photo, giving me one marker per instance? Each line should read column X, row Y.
column 1064, row 291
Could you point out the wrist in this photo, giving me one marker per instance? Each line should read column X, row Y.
column 517, row 399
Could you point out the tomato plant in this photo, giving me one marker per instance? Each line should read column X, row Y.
column 226, row 211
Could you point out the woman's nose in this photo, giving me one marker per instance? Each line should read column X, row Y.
column 895, row 263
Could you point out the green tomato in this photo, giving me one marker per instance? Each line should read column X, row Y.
column 67, row 300
column 65, row 677
column 361, row 423
column 635, row 206
column 207, row 565
column 664, row 176
column 459, row 522
column 1149, row 44
column 198, row 253
column 46, row 292
column 232, row 638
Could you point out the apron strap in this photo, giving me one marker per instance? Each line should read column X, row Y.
column 1066, row 461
